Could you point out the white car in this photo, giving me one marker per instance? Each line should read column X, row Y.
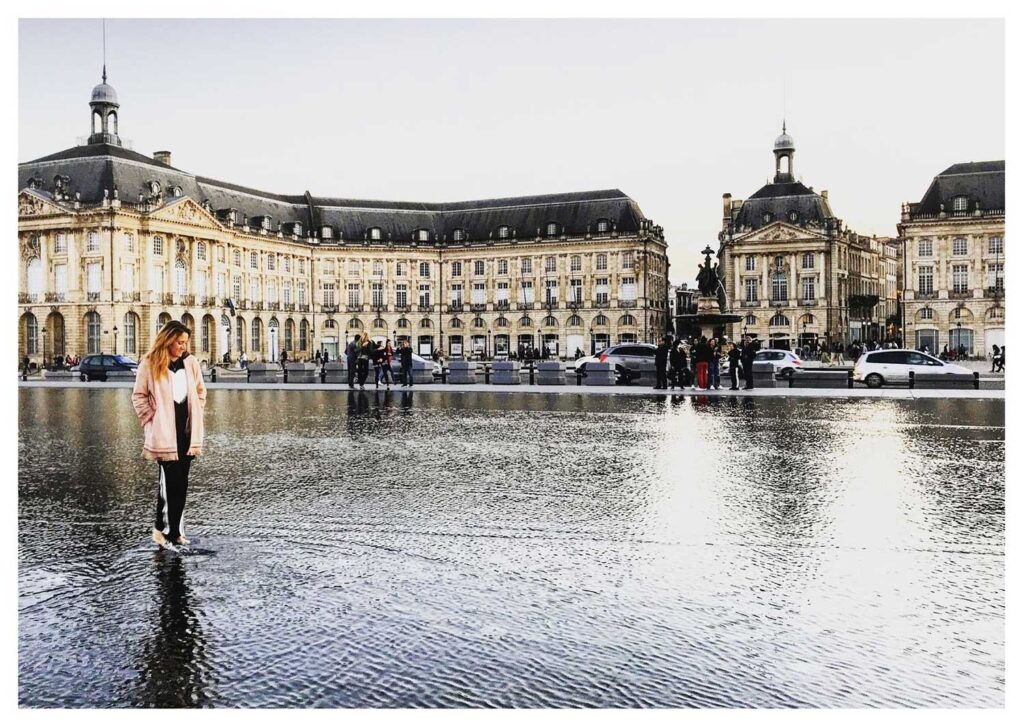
column 785, row 362
column 877, row 368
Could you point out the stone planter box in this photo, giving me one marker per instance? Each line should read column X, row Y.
column 462, row 372
column 120, row 376
column 336, row 372
column 764, row 375
column 599, row 374
column 820, row 379
column 264, row 373
column 550, row 373
column 505, row 372
column 302, row 373
column 644, row 373
column 59, row 375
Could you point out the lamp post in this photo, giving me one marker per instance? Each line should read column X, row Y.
column 43, row 329
column 956, row 351
column 540, row 342
column 487, row 347
column 115, row 340
column 592, row 350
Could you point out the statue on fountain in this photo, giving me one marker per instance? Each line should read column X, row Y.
column 709, row 280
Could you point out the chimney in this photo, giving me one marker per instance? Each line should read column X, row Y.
column 164, row 157
column 727, row 206
column 824, row 194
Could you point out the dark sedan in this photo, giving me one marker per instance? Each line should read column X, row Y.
column 95, row 368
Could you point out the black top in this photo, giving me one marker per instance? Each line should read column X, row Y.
column 181, row 422
column 405, row 355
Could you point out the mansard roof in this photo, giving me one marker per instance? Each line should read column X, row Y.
column 781, row 199
column 95, row 168
column 983, row 183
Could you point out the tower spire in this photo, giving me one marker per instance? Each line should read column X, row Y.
column 104, row 50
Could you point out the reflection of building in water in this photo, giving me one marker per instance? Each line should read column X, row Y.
column 174, row 671
column 793, row 269
column 114, row 243
column 954, row 255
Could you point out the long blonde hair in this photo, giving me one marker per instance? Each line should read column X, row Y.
column 159, row 355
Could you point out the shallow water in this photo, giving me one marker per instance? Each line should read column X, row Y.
column 517, row 550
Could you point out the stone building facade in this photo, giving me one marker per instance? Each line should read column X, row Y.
column 954, row 249
column 793, row 269
column 114, row 243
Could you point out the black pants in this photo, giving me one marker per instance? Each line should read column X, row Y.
column 661, row 380
column 170, row 499
column 748, row 373
column 363, row 365
column 407, row 375
column 351, row 366
column 386, row 374
column 734, row 375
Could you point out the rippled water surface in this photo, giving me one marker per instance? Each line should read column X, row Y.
column 517, row 550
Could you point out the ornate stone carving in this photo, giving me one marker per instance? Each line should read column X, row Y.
column 30, row 247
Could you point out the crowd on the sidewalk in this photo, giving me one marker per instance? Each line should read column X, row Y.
column 698, row 363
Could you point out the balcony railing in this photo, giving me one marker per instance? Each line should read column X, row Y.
column 502, row 305
column 92, row 297
column 602, row 304
column 131, row 297
column 960, row 294
column 750, row 303
column 26, row 298
column 404, row 308
column 627, row 303
column 209, row 301
column 995, row 292
column 59, row 297
column 354, row 307
column 808, row 301
column 302, row 308
column 165, row 298
column 524, row 306
column 478, row 307
column 325, row 308
column 454, row 307
column 424, row 308
column 933, row 295
column 189, row 300
column 273, row 306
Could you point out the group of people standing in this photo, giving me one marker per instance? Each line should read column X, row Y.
column 697, row 363
column 363, row 352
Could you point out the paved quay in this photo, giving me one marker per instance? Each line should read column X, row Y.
column 783, row 392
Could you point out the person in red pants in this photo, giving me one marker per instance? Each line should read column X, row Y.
column 702, row 355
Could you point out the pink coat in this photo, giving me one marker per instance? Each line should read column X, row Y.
column 154, row 404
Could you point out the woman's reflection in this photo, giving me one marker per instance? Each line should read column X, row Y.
column 174, row 671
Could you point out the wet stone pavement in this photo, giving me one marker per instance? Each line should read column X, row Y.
column 517, row 550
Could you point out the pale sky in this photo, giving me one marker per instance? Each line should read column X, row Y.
column 672, row 112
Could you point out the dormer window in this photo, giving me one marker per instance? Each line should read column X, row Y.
column 265, row 222
column 794, row 216
column 960, row 204
column 226, row 215
column 603, row 225
column 459, row 235
column 297, row 229
column 326, row 232
column 503, row 232
column 175, row 191
column 374, row 233
column 154, row 188
column 766, row 217
column 423, row 235
column 552, row 229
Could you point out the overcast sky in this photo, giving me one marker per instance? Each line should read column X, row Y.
column 672, row 112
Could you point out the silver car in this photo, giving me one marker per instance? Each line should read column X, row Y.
column 626, row 357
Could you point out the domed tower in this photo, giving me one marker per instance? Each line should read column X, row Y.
column 785, row 148
column 104, row 107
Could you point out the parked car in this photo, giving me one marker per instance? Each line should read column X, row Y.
column 435, row 365
column 626, row 357
column 95, row 368
column 784, row 362
column 877, row 368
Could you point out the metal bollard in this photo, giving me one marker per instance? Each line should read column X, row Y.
column 531, row 373
column 323, row 375
column 911, row 379
column 579, row 378
column 444, row 374
column 977, row 381
column 487, row 373
column 849, row 379
column 213, row 375
column 286, row 375
column 791, row 377
column 248, row 375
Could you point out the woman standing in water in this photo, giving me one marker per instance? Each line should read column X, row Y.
column 170, row 400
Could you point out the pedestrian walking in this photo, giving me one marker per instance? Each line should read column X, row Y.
column 747, row 358
column 715, row 365
column 169, row 398
column 995, row 357
column 734, row 367
column 387, row 354
column 661, row 364
column 405, row 358
column 840, row 360
column 1002, row 360
column 677, row 362
column 376, row 356
column 366, row 347
column 351, row 360
column 702, row 355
